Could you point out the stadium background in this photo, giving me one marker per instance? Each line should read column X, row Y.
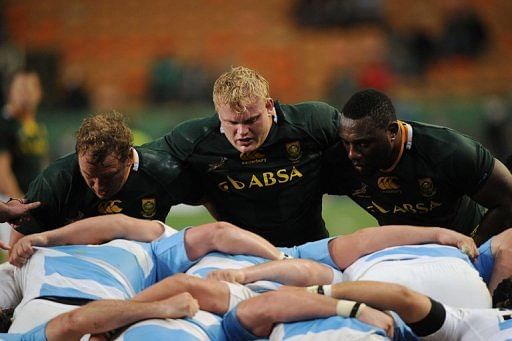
column 156, row 61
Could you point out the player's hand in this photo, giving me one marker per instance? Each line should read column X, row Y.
column 378, row 319
column 24, row 248
column 16, row 209
column 179, row 306
column 464, row 243
column 228, row 275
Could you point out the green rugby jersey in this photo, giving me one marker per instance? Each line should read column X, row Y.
column 27, row 143
column 149, row 192
column 273, row 191
column 430, row 186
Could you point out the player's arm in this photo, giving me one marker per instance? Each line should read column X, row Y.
column 95, row 230
column 346, row 249
column 496, row 195
column 8, row 183
column 106, row 315
column 296, row 272
column 225, row 237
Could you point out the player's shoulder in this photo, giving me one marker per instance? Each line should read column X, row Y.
column 196, row 129
column 316, row 119
column 157, row 161
column 439, row 143
column 62, row 168
column 308, row 112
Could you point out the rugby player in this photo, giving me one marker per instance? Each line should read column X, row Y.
column 426, row 319
column 443, row 272
column 106, row 175
column 415, row 173
column 259, row 160
column 56, row 277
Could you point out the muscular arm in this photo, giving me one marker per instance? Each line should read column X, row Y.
column 101, row 229
column 410, row 305
column 93, row 230
column 227, row 238
column 346, row 249
column 496, row 195
column 297, row 272
column 105, row 315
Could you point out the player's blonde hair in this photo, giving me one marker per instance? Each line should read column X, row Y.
column 104, row 134
column 238, row 88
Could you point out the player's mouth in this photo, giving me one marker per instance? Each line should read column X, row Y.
column 245, row 141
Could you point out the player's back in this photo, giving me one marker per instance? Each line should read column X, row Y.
column 117, row 270
column 442, row 272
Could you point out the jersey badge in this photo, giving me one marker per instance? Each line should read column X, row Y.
column 253, row 157
column 217, row 165
column 148, row 207
column 109, row 207
column 388, row 183
column 293, row 150
column 427, row 188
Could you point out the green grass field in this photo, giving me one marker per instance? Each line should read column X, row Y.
column 341, row 216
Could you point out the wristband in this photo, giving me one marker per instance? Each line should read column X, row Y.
column 346, row 308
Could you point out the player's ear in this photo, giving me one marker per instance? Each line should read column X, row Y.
column 392, row 130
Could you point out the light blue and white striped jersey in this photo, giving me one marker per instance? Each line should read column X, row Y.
column 332, row 328
column 203, row 326
column 339, row 328
column 397, row 253
column 118, row 270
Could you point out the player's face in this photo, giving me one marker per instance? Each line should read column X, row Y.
column 247, row 131
column 368, row 146
column 25, row 93
column 107, row 178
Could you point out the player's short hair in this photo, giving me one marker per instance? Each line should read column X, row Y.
column 104, row 134
column 239, row 87
column 372, row 103
column 5, row 320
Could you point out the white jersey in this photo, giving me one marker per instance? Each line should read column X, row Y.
column 474, row 325
column 441, row 272
column 203, row 326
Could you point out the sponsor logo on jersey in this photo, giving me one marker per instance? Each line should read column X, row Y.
column 261, row 180
column 361, row 192
column 109, row 207
column 401, row 208
column 253, row 157
column 427, row 188
column 293, row 150
column 148, row 207
column 388, row 183
column 217, row 165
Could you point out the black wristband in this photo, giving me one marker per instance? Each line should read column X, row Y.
column 355, row 309
column 430, row 323
column 320, row 290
